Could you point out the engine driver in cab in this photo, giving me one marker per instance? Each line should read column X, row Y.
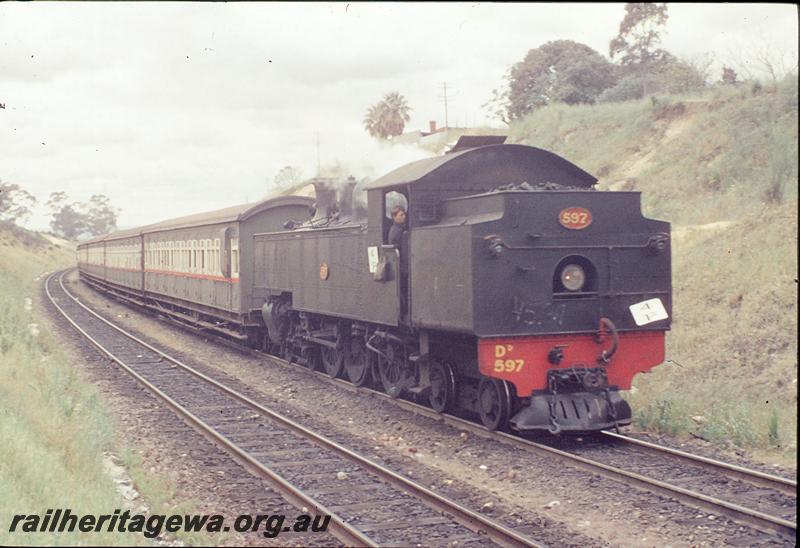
column 398, row 226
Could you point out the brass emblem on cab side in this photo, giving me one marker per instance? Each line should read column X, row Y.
column 324, row 271
column 575, row 218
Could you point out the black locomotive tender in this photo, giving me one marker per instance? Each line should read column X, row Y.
column 519, row 292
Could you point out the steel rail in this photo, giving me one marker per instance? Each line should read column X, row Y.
column 341, row 530
column 739, row 514
column 761, row 479
column 474, row 521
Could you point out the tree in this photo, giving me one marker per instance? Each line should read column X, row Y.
column 388, row 117
column 100, row 215
column 15, row 203
column 639, row 34
column 288, row 177
column 678, row 76
column 763, row 60
column 561, row 71
column 73, row 220
column 670, row 76
column 498, row 103
column 729, row 76
column 774, row 61
column 68, row 223
column 646, row 68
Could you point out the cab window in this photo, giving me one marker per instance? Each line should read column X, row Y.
column 392, row 199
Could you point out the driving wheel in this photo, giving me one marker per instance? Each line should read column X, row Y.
column 357, row 362
column 494, row 403
column 443, row 387
column 332, row 361
column 395, row 373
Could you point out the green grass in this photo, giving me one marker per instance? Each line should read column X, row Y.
column 734, row 336
column 573, row 131
column 727, row 155
column 163, row 497
column 698, row 159
column 54, row 427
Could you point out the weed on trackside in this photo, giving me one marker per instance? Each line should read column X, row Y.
column 54, row 426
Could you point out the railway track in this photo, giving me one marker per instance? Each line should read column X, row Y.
column 762, row 501
column 749, row 497
column 369, row 504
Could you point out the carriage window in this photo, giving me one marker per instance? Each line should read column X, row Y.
column 394, row 199
column 216, row 256
column 234, row 257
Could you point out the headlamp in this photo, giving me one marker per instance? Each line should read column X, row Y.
column 573, row 277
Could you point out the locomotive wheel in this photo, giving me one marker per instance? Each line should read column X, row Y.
column 395, row 376
column 288, row 352
column 332, row 361
column 357, row 363
column 443, row 387
column 311, row 356
column 494, row 403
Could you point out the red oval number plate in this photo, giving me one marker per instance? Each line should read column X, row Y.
column 575, row 218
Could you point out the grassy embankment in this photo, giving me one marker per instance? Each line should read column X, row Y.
column 54, row 427
column 726, row 160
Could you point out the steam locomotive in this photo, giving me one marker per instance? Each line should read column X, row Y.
column 518, row 293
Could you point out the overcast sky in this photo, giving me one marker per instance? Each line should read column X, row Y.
column 171, row 109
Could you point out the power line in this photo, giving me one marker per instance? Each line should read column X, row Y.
column 443, row 97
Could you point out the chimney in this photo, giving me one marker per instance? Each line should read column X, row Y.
column 432, row 125
column 326, row 198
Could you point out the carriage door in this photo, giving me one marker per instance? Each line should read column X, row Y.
column 225, row 266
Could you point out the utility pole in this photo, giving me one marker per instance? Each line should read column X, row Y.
column 444, row 96
column 318, row 165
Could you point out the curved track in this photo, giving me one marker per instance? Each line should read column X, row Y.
column 374, row 506
column 749, row 497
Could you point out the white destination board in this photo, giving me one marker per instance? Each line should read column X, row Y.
column 372, row 257
column 649, row 311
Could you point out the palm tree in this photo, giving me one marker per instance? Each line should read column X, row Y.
column 388, row 117
column 372, row 120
